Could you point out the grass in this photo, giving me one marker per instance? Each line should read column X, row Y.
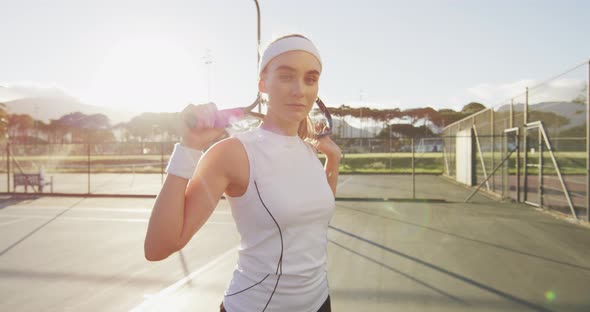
column 392, row 155
column 377, row 163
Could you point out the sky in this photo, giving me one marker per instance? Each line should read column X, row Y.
column 161, row 55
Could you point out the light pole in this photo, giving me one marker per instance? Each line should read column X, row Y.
column 208, row 59
column 361, row 117
column 258, row 47
column 36, row 130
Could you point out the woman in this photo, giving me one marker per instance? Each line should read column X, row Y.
column 281, row 198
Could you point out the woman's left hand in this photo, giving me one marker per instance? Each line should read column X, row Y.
column 326, row 146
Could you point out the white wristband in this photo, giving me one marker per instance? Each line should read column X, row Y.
column 183, row 161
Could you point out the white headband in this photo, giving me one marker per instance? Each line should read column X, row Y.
column 285, row 45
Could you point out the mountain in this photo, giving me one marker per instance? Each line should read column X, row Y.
column 53, row 105
column 574, row 112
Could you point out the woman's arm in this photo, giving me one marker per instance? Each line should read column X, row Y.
column 331, row 168
column 183, row 206
column 166, row 221
column 332, row 164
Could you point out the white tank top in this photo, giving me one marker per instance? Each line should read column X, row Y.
column 283, row 220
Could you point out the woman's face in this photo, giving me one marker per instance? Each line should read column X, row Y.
column 291, row 82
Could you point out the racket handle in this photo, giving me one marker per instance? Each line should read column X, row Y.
column 224, row 117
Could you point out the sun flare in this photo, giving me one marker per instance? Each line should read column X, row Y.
column 147, row 74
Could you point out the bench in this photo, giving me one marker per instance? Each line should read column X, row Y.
column 31, row 179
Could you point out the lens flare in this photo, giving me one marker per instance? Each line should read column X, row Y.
column 550, row 296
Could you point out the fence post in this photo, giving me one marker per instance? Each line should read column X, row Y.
column 518, row 148
column 413, row 172
column 525, row 147
column 588, row 145
column 493, row 146
column 8, row 166
column 540, row 189
column 88, row 164
column 390, row 152
column 526, row 107
column 511, row 113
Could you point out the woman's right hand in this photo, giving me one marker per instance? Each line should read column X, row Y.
column 198, row 126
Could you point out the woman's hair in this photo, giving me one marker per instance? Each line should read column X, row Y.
column 306, row 129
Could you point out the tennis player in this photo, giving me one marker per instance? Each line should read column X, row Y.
column 281, row 198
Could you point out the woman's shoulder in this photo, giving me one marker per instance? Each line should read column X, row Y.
column 311, row 146
column 231, row 158
column 227, row 148
column 247, row 136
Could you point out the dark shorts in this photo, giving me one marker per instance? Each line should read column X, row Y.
column 324, row 308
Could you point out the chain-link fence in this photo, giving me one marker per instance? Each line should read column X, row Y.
column 536, row 142
column 406, row 167
column 109, row 168
column 531, row 148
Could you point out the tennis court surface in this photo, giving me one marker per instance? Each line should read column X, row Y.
column 387, row 252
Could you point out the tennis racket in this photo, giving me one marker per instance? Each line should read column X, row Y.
column 236, row 119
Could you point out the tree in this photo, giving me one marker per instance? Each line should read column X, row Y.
column 472, row 108
column 142, row 126
column 447, row 117
column 423, row 113
column 56, row 130
column 96, row 121
column 405, row 131
column 581, row 98
column 551, row 121
column 4, row 118
column 20, row 126
column 83, row 127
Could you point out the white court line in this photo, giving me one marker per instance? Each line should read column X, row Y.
column 93, row 219
column 394, row 210
column 50, row 208
column 12, row 222
column 137, row 210
column 344, row 182
column 172, row 288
